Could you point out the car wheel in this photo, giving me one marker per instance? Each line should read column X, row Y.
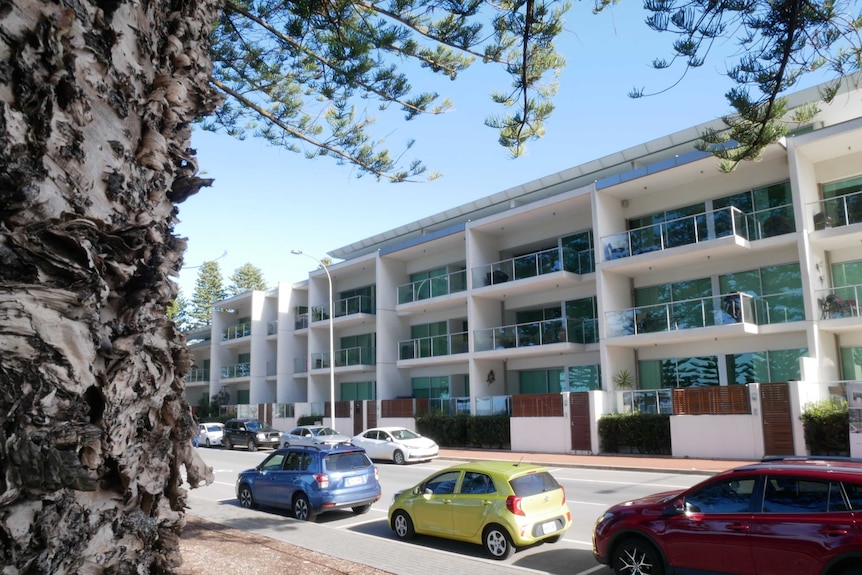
column 246, row 499
column 251, row 446
column 285, row 444
column 302, row 508
column 402, row 525
column 228, row 444
column 398, row 457
column 636, row 556
column 361, row 509
column 852, row 569
column 207, row 442
column 497, row 542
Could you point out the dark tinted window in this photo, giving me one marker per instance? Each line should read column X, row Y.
column 723, row 496
column 801, row 495
column 443, row 483
column 477, row 483
column 854, row 494
column 349, row 461
column 533, row 483
column 298, row 461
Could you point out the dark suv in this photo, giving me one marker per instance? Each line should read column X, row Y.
column 780, row 516
column 250, row 433
column 309, row 480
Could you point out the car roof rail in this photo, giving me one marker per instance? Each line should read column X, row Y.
column 837, row 458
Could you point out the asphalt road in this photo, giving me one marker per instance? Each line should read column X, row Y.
column 367, row 538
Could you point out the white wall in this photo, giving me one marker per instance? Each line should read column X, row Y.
column 541, row 434
column 717, row 436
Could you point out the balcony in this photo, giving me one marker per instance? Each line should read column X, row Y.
column 348, row 357
column 532, row 265
column 699, row 228
column 704, row 312
column 236, row 370
column 560, row 330
column 359, row 304
column 434, row 346
column 236, row 331
column 300, row 321
column 840, row 302
column 433, row 287
column 837, row 212
column 300, row 365
column 272, row 327
column 197, row 375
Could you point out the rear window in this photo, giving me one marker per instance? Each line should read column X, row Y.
column 349, row 461
column 533, row 484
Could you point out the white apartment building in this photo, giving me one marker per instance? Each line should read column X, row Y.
column 708, row 288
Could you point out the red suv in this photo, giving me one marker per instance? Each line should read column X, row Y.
column 780, row 516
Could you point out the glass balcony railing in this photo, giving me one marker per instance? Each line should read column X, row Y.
column 839, row 302
column 534, row 264
column 494, row 405
column 838, row 211
column 433, row 287
column 433, row 346
column 344, row 307
column 236, row 331
column 300, row 364
column 236, row 370
column 679, row 232
column 345, row 357
column 707, row 312
column 300, row 321
column 197, row 375
column 537, row 333
column 272, row 327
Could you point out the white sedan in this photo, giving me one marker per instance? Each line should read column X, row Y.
column 397, row 444
column 210, row 434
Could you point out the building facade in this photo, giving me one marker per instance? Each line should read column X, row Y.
column 648, row 262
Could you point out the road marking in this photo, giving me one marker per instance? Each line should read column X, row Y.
column 587, row 503
column 578, row 542
column 592, row 570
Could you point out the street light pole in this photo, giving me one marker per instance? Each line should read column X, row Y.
column 331, row 337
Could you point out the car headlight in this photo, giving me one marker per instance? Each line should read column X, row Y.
column 261, row 436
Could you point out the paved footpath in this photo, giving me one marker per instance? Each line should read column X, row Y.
column 390, row 555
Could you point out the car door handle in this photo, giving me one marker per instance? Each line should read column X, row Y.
column 738, row 527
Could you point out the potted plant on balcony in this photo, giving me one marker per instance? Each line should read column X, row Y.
column 624, row 380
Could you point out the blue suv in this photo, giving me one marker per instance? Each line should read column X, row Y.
column 309, row 480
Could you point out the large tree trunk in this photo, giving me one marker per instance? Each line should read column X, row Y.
column 96, row 100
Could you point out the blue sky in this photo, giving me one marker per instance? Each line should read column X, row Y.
column 267, row 201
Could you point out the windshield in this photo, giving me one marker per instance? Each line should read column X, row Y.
column 324, row 431
column 213, row 428
column 257, row 426
column 404, row 434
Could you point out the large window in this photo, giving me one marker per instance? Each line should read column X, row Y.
column 843, row 201
column 687, row 307
column 578, row 253
column 584, row 378
column 678, row 372
column 764, row 366
column 430, row 387
column 665, row 229
column 851, row 363
column 358, row 390
column 541, row 381
column 779, row 289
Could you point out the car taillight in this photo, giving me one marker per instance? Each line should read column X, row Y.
column 376, row 474
column 322, row 480
column 513, row 504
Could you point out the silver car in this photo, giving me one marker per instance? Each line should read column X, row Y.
column 312, row 435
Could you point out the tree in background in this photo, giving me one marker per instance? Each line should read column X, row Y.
column 246, row 278
column 178, row 311
column 209, row 289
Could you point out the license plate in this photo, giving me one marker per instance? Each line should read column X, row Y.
column 549, row 527
column 351, row 481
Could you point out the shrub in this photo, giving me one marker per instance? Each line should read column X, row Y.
column 491, row 431
column 309, row 419
column 827, row 428
column 647, row 433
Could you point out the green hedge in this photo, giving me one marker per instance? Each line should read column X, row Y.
column 309, row 419
column 489, row 431
column 827, row 428
column 645, row 433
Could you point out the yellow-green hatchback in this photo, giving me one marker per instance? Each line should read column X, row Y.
column 500, row 505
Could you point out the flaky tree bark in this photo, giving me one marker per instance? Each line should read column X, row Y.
column 96, row 100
